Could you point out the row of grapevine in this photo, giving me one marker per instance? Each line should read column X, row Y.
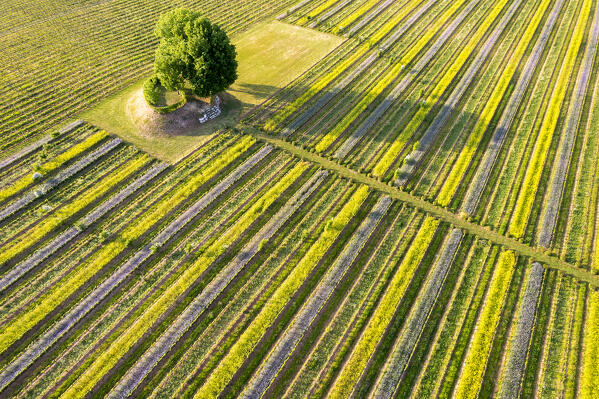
column 533, row 175
column 375, row 299
column 118, row 35
column 362, row 112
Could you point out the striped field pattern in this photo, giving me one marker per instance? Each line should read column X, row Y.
column 415, row 216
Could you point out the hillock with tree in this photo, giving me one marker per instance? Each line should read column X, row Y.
column 194, row 58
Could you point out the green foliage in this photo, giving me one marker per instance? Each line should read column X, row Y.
column 152, row 91
column 478, row 353
column 383, row 314
column 222, row 375
column 154, row 95
column 194, row 55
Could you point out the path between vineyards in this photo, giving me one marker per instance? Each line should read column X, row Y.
column 446, row 215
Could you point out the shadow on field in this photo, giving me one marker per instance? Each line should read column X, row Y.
column 374, row 130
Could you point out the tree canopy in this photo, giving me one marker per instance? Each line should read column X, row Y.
column 194, row 55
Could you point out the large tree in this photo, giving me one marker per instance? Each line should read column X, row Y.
column 194, row 55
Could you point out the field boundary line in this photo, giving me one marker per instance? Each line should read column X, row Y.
column 441, row 213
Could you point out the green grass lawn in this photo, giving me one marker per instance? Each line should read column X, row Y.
column 270, row 56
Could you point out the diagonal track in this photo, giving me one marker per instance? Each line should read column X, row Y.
column 441, row 213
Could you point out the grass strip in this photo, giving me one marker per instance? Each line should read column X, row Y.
column 475, row 362
column 52, row 165
column 485, row 118
column 535, row 166
column 350, row 374
column 48, row 302
column 223, row 373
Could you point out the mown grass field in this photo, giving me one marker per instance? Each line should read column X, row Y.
column 260, row 76
column 400, row 201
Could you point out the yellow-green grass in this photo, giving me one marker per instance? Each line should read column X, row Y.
column 484, row 120
column 535, row 166
column 321, row 83
column 478, row 352
column 53, row 164
column 474, row 41
column 350, row 374
column 350, row 19
column 273, row 54
column 20, row 244
column 107, row 359
column 244, row 346
column 270, row 56
column 73, row 281
column 385, row 80
column 589, row 384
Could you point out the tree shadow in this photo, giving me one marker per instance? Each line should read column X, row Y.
column 236, row 101
column 378, row 126
column 258, row 91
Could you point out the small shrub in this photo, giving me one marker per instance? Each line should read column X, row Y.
column 153, row 91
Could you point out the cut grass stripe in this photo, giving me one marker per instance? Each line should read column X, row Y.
column 535, row 166
column 17, row 246
column 225, row 370
column 107, row 359
column 350, row 373
column 145, row 364
column 73, row 281
column 390, row 156
column 509, row 243
column 298, row 327
column 475, row 362
column 61, row 240
column 52, row 165
column 406, row 342
column 54, row 182
column 507, row 117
